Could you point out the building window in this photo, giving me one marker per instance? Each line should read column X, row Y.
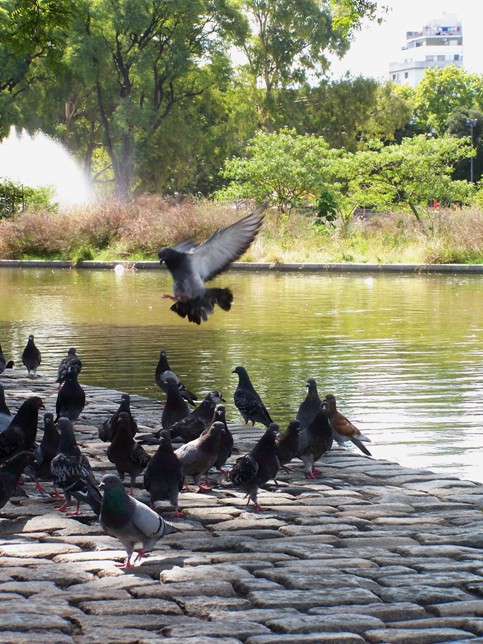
column 441, row 57
column 406, row 75
column 456, row 57
column 429, row 58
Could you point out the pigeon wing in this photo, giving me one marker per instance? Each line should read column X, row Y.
column 226, row 245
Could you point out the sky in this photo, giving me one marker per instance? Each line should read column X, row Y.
column 375, row 46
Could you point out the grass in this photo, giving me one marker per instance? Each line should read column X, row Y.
column 113, row 230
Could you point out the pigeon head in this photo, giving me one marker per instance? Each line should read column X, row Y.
column 214, row 397
column 31, row 338
column 171, row 257
column 33, row 403
column 71, row 352
column 110, row 483
column 311, row 384
column 330, row 402
column 165, row 438
column 293, row 426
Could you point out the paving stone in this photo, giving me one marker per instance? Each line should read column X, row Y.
column 423, row 594
column 304, row 599
column 36, row 549
column 190, row 573
column 239, row 628
column 393, row 612
column 24, row 621
column 472, row 607
column 202, row 606
column 412, row 635
column 130, row 606
column 36, row 637
column 334, row 622
column 314, row 638
column 185, row 589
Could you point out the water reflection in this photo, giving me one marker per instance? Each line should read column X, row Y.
column 402, row 353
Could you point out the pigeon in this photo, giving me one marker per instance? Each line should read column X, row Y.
column 310, row 406
column 5, row 415
column 226, row 441
column 72, row 472
column 109, row 427
column 175, row 408
column 248, row 402
column 164, row 476
column 259, row 466
column 31, row 357
column 288, row 443
column 10, row 472
column 199, row 455
column 128, row 455
column 3, row 361
column 342, row 429
column 124, row 517
column 45, row 451
column 192, row 265
column 21, row 433
column 163, row 372
column 71, row 359
column 315, row 440
column 71, row 398
column 200, row 418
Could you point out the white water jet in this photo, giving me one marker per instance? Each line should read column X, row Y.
column 40, row 160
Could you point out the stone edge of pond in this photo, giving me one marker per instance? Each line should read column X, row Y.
column 303, row 267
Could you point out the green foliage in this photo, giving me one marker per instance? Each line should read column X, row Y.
column 285, row 170
column 15, row 198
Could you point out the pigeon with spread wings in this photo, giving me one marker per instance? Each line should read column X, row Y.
column 191, row 266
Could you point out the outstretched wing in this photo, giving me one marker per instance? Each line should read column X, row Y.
column 214, row 256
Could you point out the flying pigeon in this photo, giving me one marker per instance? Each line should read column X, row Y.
column 310, row 406
column 45, row 451
column 288, row 443
column 342, row 427
column 200, row 418
column 259, row 466
column 164, row 476
column 5, row 415
column 199, row 455
column 124, row 517
column 175, row 408
column 71, row 398
column 163, row 372
column 71, row 359
column 315, row 440
column 72, row 472
column 109, row 427
column 10, row 472
column 248, row 402
column 192, row 265
column 21, row 433
column 31, row 357
column 128, row 455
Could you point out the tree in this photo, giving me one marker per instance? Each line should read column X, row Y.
column 291, row 39
column 284, row 169
column 138, row 59
column 461, row 123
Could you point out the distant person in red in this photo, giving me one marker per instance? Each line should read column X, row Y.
column 435, row 203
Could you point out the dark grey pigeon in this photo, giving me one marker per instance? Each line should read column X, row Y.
column 163, row 372
column 124, row 517
column 163, row 476
column 248, row 402
column 71, row 360
column 259, row 466
column 288, row 443
column 71, row 398
column 310, row 406
column 10, row 472
column 31, row 357
column 128, row 455
column 5, row 415
column 192, row 265
column 71, row 471
column 21, row 433
column 200, row 418
column 315, row 440
column 199, row 455
column 226, row 441
column 175, row 408
column 109, row 426
column 45, row 452
column 3, row 361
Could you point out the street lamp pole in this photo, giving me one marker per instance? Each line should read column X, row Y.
column 471, row 123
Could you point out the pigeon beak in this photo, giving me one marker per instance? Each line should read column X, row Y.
column 221, row 398
column 102, row 485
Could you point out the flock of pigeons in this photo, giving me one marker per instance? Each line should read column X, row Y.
column 206, row 443
column 205, row 436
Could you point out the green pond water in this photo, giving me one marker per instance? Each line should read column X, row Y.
column 402, row 353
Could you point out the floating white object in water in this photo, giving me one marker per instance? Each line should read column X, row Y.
column 38, row 161
column 119, row 269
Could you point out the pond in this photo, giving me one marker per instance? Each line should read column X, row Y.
column 402, row 353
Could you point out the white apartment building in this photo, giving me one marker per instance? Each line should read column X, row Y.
column 438, row 44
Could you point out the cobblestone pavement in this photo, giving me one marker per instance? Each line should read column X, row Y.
column 370, row 552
